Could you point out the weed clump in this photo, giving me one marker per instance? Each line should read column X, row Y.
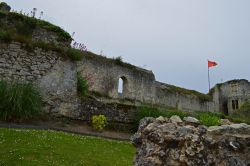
column 19, row 101
column 82, row 86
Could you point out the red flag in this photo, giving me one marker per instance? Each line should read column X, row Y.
column 211, row 64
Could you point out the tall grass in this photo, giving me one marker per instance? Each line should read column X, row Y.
column 19, row 101
column 208, row 118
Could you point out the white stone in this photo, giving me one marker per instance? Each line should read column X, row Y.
column 175, row 119
column 191, row 119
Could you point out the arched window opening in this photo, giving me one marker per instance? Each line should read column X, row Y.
column 122, row 86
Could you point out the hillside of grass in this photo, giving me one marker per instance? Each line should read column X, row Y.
column 21, row 25
column 38, row 147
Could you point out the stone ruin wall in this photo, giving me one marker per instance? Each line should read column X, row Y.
column 173, row 142
column 180, row 101
column 56, row 78
column 40, row 34
column 138, row 84
column 232, row 90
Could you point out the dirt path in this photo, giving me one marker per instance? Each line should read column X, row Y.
column 70, row 128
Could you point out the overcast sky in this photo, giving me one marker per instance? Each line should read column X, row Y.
column 173, row 38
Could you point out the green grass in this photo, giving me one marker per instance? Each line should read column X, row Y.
column 25, row 25
column 19, row 101
column 5, row 36
column 36, row 147
column 29, row 45
column 208, row 118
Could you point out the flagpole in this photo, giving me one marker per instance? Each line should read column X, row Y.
column 208, row 78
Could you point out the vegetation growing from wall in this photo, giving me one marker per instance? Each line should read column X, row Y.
column 16, row 23
column 2, row 4
column 17, row 27
column 71, row 53
column 99, row 122
column 19, row 101
column 117, row 61
column 82, row 86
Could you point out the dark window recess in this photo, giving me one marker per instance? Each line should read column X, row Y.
column 235, row 104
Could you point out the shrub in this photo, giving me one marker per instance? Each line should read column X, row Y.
column 26, row 26
column 5, row 36
column 62, row 34
column 2, row 4
column 19, row 101
column 99, row 122
column 74, row 54
column 118, row 60
column 82, row 86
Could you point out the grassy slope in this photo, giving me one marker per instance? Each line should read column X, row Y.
column 35, row 147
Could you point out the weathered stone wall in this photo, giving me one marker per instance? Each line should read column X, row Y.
column 44, row 35
column 18, row 64
column 104, row 76
column 139, row 84
column 225, row 93
column 119, row 116
column 56, row 77
column 181, row 101
column 173, row 142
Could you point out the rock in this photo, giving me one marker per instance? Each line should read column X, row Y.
column 175, row 119
column 161, row 119
column 225, row 122
column 178, row 143
column 191, row 120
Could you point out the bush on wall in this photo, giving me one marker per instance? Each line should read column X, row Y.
column 82, row 86
column 99, row 122
column 19, row 101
